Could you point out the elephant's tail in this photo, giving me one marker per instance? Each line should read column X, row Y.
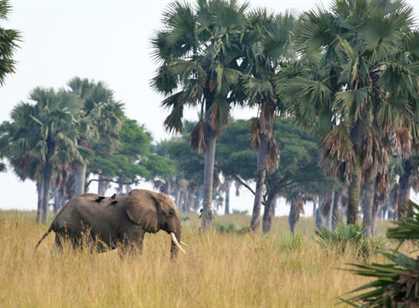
column 43, row 237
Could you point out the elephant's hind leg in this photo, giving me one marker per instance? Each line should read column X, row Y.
column 58, row 243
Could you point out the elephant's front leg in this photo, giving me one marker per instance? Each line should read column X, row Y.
column 132, row 242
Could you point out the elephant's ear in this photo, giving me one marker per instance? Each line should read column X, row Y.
column 141, row 210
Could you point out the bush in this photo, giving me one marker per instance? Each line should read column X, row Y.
column 396, row 283
column 231, row 228
column 349, row 237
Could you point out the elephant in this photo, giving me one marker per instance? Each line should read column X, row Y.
column 105, row 223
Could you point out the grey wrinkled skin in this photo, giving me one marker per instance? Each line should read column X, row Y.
column 103, row 223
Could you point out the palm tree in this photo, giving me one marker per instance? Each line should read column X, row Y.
column 199, row 61
column 9, row 40
column 101, row 122
column 367, row 86
column 41, row 137
column 266, row 47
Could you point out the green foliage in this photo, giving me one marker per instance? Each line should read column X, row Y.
column 42, row 133
column 197, row 52
column 351, row 54
column 9, row 40
column 395, row 283
column 187, row 163
column 129, row 158
column 298, row 171
column 234, row 153
column 406, row 229
column 101, row 120
column 231, row 228
column 349, row 238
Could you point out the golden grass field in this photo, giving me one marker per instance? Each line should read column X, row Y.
column 219, row 270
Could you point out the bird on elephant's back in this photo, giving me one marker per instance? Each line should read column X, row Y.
column 117, row 221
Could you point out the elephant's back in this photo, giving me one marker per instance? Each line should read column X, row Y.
column 68, row 218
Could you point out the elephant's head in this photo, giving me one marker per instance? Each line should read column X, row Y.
column 156, row 211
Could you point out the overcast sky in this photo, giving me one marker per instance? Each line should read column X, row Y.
column 105, row 40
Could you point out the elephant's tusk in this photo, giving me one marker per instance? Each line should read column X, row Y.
column 175, row 241
column 183, row 243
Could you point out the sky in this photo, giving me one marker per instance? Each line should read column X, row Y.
column 105, row 40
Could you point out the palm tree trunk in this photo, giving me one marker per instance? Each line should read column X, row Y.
column 39, row 190
column 331, row 210
column 314, row 207
column 79, row 180
column 404, row 190
column 324, row 210
column 59, row 199
column 209, row 161
column 269, row 214
column 294, row 214
column 264, row 131
column 368, row 204
column 336, row 213
column 393, row 203
column 46, row 178
column 260, row 184
column 379, row 199
column 257, row 203
column 354, row 195
column 227, row 198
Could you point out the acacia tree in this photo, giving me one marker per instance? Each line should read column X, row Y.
column 368, row 82
column 133, row 159
column 198, row 56
column 299, row 175
column 186, row 181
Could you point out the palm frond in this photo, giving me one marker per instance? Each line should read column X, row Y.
column 338, row 152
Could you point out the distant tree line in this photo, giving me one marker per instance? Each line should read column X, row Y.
column 347, row 75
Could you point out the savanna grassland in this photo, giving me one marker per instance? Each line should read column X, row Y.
column 219, row 270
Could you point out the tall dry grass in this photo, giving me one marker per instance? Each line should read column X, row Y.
column 219, row 270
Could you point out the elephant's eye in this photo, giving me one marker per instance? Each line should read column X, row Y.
column 171, row 212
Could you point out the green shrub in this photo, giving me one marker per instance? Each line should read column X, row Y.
column 349, row 238
column 396, row 283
